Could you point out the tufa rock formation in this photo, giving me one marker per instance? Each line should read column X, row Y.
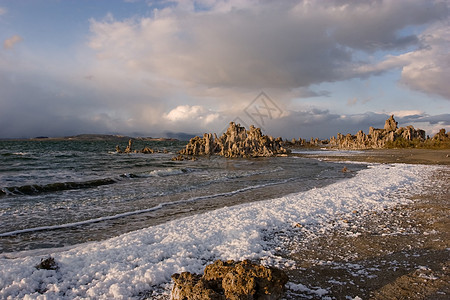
column 390, row 124
column 230, row 280
column 441, row 136
column 129, row 149
column 180, row 157
column 236, row 142
column 440, row 140
column 378, row 138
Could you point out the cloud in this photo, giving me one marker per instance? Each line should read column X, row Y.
column 323, row 123
column 192, row 66
column 29, row 108
column 406, row 113
column 353, row 101
column 3, row 11
column 443, row 119
column 428, row 69
column 283, row 44
column 10, row 42
column 304, row 92
column 193, row 119
column 187, row 112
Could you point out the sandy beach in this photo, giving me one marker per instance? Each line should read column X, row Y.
column 399, row 253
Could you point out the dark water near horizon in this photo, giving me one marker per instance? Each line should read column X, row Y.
column 60, row 193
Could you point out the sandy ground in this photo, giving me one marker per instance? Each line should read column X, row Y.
column 400, row 253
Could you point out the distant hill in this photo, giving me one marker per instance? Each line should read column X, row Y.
column 102, row 137
column 180, row 135
column 97, row 137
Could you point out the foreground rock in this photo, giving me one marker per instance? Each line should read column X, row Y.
column 390, row 135
column 230, row 280
column 47, row 264
column 236, row 142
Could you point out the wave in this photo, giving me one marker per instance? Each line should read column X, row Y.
column 15, row 153
column 33, row 189
column 158, row 173
column 17, row 156
column 141, row 211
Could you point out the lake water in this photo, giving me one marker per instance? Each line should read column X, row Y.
column 60, row 193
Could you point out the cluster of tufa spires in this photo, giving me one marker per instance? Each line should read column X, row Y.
column 236, row 142
column 378, row 138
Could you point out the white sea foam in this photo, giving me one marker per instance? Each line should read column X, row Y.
column 167, row 172
column 21, row 153
column 125, row 266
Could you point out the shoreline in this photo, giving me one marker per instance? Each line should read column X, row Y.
column 244, row 239
column 400, row 253
column 407, row 156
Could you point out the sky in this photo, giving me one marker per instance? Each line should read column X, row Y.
column 300, row 68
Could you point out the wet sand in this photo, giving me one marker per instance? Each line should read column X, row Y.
column 400, row 253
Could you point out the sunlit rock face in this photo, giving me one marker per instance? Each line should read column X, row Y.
column 377, row 138
column 236, row 142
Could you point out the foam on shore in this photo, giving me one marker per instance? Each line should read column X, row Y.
column 132, row 264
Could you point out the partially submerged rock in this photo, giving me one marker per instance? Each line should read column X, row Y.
column 129, row 149
column 147, row 150
column 230, row 280
column 180, row 157
column 236, row 142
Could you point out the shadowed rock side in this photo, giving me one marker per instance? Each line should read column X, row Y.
column 378, row 138
column 230, row 280
column 236, row 142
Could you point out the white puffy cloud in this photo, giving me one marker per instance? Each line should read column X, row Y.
column 193, row 120
column 428, row 69
column 187, row 112
column 10, row 42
